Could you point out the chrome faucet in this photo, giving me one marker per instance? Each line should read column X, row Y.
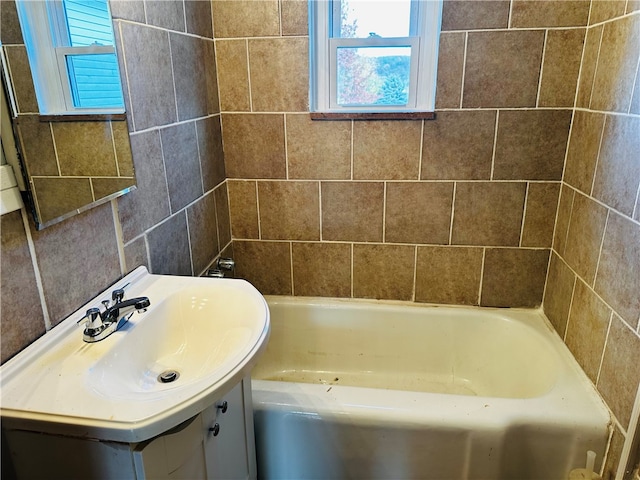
column 101, row 324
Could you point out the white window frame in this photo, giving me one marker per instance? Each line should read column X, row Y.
column 47, row 48
column 323, row 45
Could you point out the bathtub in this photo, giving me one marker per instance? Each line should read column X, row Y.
column 383, row 390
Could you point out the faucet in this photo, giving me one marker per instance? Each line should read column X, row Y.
column 101, row 324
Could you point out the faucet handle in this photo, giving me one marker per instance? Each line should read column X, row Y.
column 92, row 318
column 117, row 295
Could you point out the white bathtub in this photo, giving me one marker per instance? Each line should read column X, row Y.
column 366, row 390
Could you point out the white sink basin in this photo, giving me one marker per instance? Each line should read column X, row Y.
column 209, row 331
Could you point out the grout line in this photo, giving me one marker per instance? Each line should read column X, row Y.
column 352, row 145
column 293, row 290
column 510, row 18
column 36, row 269
column 93, row 193
column 286, row 149
column 173, row 77
column 384, row 211
column 595, row 167
column 453, row 211
column 415, row 272
column 55, row 149
column 186, row 217
column 147, row 251
column 421, row 150
column 195, row 127
column 566, row 234
column 258, row 210
column 246, row 42
column 184, row 15
column 115, row 151
column 215, row 214
column 604, row 350
column 524, row 213
column 130, row 112
column 633, row 88
column 573, row 294
column 484, row 254
column 166, row 177
column 280, row 17
column 464, row 66
column 119, row 237
column 604, row 234
column 144, row 8
column 544, row 51
column 352, row 270
column 495, row 144
column 320, row 206
column 636, row 211
column 595, row 70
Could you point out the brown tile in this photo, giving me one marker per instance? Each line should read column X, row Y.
column 458, row 146
column 563, row 53
column 128, row 10
column 233, row 75
column 613, row 454
column 254, row 146
column 21, row 79
column 10, row 32
column 311, row 156
column 289, row 210
column 222, row 214
column 85, row 148
column 488, row 213
column 243, row 205
column 558, row 293
column 209, row 133
column 352, row 211
column 279, row 71
column 450, row 65
column 203, row 232
column 245, row 18
column 67, row 251
column 198, row 18
column 633, row 5
column 103, row 187
column 148, row 204
column 37, row 146
column 135, row 254
column 148, row 63
column 182, row 164
column 602, row 10
column 619, row 375
column 418, row 212
column 386, row 150
column 513, row 277
column 448, row 275
column 565, row 205
column 267, row 265
column 539, row 217
column 618, row 278
column 588, row 68
column 617, row 63
column 123, row 148
column 584, row 237
column 502, row 68
column 58, row 196
column 169, row 247
column 474, row 15
column 618, row 170
column 587, row 329
column 531, row 144
column 22, row 319
column 189, row 74
column 582, row 153
column 294, row 17
column 167, row 14
column 370, row 260
column 534, row 13
column 322, row 269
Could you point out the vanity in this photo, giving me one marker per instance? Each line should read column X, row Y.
column 167, row 395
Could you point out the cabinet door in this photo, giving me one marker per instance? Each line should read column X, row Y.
column 226, row 451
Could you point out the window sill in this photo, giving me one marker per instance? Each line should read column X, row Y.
column 373, row 116
column 84, row 117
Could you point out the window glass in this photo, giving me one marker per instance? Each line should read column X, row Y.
column 366, row 18
column 88, row 22
column 94, row 79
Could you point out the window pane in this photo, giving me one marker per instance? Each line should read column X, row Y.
column 88, row 22
column 374, row 18
column 373, row 75
column 95, row 81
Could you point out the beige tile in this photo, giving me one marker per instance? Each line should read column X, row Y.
column 531, row 145
column 243, row 206
column 10, row 32
column 245, row 18
column 633, row 5
column 450, row 65
column 618, row 278
column 513, row 277
column 254, row 145
column 289, row 210
column 584, row 237
column 448, row 275
column 565, row 205
column 135, row 254
column 418, row 212
column 294, row 17
column 309, row 153
column 322, row 269
column 619, row 376
column 588, row 67
column 233, row 75
column 615, row 74
column 502, row 68
column 372, row 277
column 122, row 145
column 558, row 293
column 386, row 150
column 279, row 74
column 539, row 217
column 602, row 10
column 458, row 146
column 534, row 13
column 563, row 53
column 352, row 211
column 488, row 213
column 618, row 170
column 103, row 187
column 582, row 152
column 587, row 329
column 57, row 196
column 203, row 232
column 267, row 265
column 24, row 91
column 37, row 146
column 474, row 15
column 221, row 197
column 169, row 247
column 85, row 148
column 614, row 453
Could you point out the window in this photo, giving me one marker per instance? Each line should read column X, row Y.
column 372, row 56
column 72, row 56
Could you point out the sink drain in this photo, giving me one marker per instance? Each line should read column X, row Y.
column 168, row 376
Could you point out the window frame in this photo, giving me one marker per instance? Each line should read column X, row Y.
column 424, row 37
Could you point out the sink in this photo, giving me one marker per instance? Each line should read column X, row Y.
column 199, row 338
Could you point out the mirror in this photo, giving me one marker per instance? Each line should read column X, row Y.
column 75, row 159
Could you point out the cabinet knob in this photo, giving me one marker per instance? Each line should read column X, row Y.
column 215, row 430
column 223, row 406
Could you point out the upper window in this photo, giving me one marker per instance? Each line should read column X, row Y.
column 372, row 56
column 71, row 52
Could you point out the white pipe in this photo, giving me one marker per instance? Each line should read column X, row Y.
column 633, row 437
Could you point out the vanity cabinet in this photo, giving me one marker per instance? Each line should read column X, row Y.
column 216, row 444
